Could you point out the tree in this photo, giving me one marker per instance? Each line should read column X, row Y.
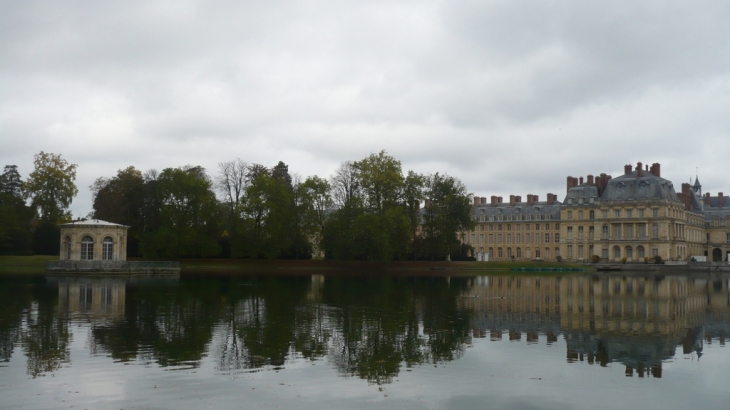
column 381, row 181
column 51, row 187
column 188, row 216
column 345, row 184
column 15, row 215
column 10, row 182
column 120, row 199
column 315, row 203
column 449, row 212
column 231, row 183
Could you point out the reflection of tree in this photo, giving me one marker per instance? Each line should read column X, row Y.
column 372, row 342
column 46, row 336
column 170, row 325
column 14, row 301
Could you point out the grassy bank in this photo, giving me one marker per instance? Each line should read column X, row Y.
column 37, row 265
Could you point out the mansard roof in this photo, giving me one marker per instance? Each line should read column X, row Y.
column 519, row 208
column 585, row 191
column 630, row 186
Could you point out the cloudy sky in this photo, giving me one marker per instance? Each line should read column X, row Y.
column 509, row 96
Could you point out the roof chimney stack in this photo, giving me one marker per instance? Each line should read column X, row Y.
column 511, row 200
column 627, row 169
column 639, row 170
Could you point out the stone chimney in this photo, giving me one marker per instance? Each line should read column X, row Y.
column 511, row 200
column 476, row 201
column 484, row 200
column 627, row 169
column 685, row 188
column 581, row 180
column 494, row 200
column 639, row 170
column 707, row 198
column 530, row 199
column 720, row 199
column 535, row 198
column 499, row 199
column 518, row 198
column 590, row 179
column 656, row 170
column 551, row 198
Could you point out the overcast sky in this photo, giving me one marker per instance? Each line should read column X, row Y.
column 509, row 96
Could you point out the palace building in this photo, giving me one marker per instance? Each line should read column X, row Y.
column 634, row 217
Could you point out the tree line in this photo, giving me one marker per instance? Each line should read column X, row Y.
column 367, row 210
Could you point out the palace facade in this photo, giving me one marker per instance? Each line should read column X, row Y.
column 634, row 217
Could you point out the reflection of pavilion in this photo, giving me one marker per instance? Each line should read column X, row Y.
column 96, row 297
column 637, row 321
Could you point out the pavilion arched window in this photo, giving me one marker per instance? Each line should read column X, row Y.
column 107, row 249
column 87, row 248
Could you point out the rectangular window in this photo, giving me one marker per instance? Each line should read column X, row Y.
column 580, row 215
column 655, row 252
column 547, row 238
column 473, row 236
column 580, row 251
column 570, row 251
column 481, row 238
column 518, row 227
column 580, row 232
column 604, row 214
column 537, row 227
column 604, row 253
column 499, row 238
column 655, row 213
column 509, row 238
column 527, row 237
column 537, row 238
column 592, row 215
column 629, row 212
column 509, row 227
column 527, row 227
column 642, row 231
column 491, row 227
column 655, row 231
column 499, row 227
column 604, row 232
column 617, row 213
column 570, row 214
column 491, row 238
column 557, row 238
column 641, row 213
column 518, row 237
column 570, row 233
column 590, row 232
column 617, row 232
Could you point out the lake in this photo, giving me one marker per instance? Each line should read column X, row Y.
column 361, row 340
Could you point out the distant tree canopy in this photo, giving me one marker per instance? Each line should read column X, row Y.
column 368, row 209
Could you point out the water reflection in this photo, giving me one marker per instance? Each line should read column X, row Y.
column 638, row 321
column 366, row 327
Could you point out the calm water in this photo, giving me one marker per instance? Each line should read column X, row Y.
column 320, row 341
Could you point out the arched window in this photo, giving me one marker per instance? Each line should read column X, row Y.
column 491, row 253
column 107, row 249
column 519, row 252
column 557, row 252
column 629, row 253
column 509, row 252
column 616, row 252
column 537, row 253
column 641, row 251
column 87, row 248
column 547, row 253
column 499, row 252
column 67, row 247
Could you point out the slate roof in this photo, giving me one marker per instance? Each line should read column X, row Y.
column 632, row 187
column 584, row 191
column 519, row 209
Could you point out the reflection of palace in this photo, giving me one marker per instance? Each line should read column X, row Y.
column 637, row 321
